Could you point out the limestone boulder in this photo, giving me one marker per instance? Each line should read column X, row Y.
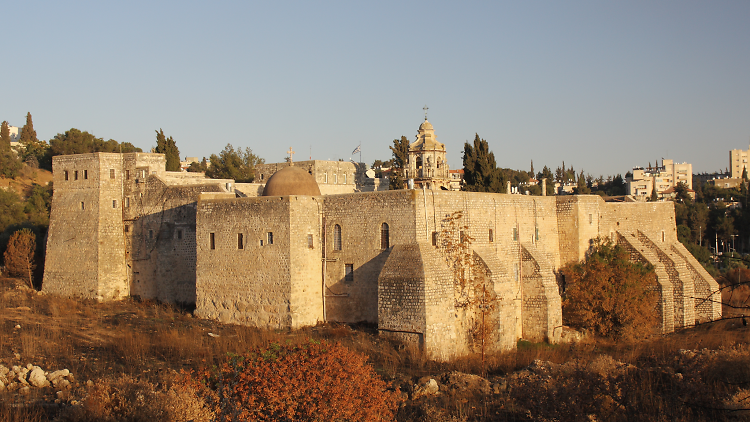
column 460, row 382
column 37, row 378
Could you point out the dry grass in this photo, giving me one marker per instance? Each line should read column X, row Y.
column 127, row 347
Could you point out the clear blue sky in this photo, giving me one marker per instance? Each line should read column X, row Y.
column 603, row 86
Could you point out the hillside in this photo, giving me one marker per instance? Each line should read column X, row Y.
column 697, row 374
column 25, row 180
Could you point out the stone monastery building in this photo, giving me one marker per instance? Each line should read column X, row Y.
column 290, row 257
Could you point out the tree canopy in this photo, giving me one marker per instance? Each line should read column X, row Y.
column 400, row 150
column 74, row 141
column 480, row 170
column 10, row 165
column 168, row 147
column 610, row 295
column 234, row 164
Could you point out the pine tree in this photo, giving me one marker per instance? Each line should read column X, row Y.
column 10, row 165
column 168, row 147
column 19, row 255
column 654, row 197
column 532, row 169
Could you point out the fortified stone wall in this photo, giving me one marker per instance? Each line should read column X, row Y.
column 85, row 247
column 360, row 218
column 251, row 282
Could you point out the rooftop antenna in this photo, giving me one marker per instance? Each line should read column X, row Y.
column 425, row 108
column 291, row 155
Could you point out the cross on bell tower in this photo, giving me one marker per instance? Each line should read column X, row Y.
column 291, row 155
column 425, row 108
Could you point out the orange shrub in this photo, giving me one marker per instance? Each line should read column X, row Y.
column 308, row 382
column 610, row 295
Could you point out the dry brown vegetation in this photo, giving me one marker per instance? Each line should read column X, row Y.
column 135, row 354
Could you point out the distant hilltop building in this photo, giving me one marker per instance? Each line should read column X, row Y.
column 290, row 256
column 661, row 178
column 737, row 162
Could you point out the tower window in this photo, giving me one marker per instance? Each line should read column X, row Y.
column 269, row 238
column 65, row 174
column 85, row 174
column 240, row 243
column 336, row 237
column 384, row 236
column 127, row 174
column 75, row 175
column 83, row 207
column 212, row 240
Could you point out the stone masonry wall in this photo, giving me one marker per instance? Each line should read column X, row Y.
column 360, row 217
column 251, row 285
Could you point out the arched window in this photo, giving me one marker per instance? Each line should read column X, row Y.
column 336, row 237
column 384, row 236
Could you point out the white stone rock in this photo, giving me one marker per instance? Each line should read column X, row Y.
column 37, row 378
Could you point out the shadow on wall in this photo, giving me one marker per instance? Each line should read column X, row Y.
column 353, row 297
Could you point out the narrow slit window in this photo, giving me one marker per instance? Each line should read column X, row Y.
column 111, row 173
column 179, row 234
column 491, row 236
column 336, row 237
column 536, row 234
column 212, row 240
column 269, row 238
column 75, row 175
column 65, row 174
column 127, row 228
column 310, row 244
column 349, row 272
column 127, row 202
column 384, row 236
column 150, row 234
column 663, row 236
column 114, row 203
column 591, row 218
column 240, row 244
column 515, row 234
column 434, row 238
column 83, row 206
column 85, row 174
column 127, row 174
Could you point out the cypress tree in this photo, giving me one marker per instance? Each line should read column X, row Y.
column 4, row 137
column 168, row 147
column 28, row 134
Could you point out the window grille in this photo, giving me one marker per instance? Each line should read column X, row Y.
column 336, row 237
column 384, row 236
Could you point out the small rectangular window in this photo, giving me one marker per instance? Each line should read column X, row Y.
column 83, row 207
column 240, row 244
column 491, row 236
column 310, row 241
column 75, row 175
column 127, row 202
column 127, row 228
column 127, row 174
column 179, row 234
column 536, row 234
column 591, row 218
column 434, row 238
column 150, row 234
column 85, row 174
column 270, row 238
column 65, row 173
column 114, row 203
column 212, row 240
column 261, row 242
column 111, row 173
column 349, row 272
column 515, row 234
